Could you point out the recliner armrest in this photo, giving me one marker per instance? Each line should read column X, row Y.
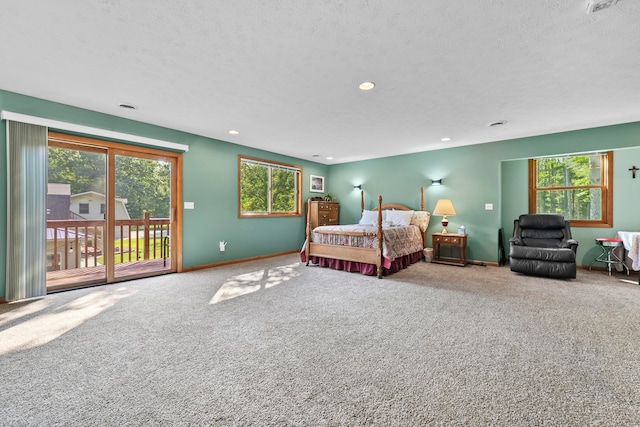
column 516, row 241
column 570, row 243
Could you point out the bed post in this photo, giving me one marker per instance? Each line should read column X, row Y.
column 307, row 232
column 380, row 238
column 424, row 236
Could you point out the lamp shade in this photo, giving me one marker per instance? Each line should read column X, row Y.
column 444, row 207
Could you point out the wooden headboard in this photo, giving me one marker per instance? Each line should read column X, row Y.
column 392, row 205
column 395, row 206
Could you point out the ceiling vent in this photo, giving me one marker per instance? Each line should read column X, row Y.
column 598, row 5
column 128, row 106
column 500, row 123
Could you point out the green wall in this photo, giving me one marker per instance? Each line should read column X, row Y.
column 209, row 180
column 472, row 176
column 491, row 173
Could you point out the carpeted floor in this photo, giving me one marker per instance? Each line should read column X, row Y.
column 275, row 343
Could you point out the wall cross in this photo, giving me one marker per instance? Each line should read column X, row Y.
column 633, row 171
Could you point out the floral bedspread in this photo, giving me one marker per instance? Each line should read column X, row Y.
column 397, row 241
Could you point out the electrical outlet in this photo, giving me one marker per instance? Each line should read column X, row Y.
column 488, row 206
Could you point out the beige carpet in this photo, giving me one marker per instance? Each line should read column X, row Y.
column 272, row 342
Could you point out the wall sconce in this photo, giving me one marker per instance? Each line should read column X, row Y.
column 436, row 181
column 357, row 187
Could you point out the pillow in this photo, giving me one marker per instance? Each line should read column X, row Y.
column 369, row 218
column 399, row 218
column 421, row 219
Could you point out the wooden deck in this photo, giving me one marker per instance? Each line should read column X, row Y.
column 145, row 241
column 98, row 273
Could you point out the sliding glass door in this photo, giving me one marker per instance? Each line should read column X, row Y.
column 142, row 214
column 76, row 200
column 111, row 212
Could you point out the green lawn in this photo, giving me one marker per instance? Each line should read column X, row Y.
column 126, row 245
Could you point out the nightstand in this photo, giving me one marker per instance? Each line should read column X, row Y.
column 449, row 248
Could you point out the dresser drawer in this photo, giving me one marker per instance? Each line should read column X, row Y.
column 450, row 240
column 327, row 215
column 328, row 221
column 325, row 206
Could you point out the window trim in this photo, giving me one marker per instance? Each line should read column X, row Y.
column 278, row 165
column 606, row 186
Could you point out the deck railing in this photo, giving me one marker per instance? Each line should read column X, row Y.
column 80, row 243
column 155, row 235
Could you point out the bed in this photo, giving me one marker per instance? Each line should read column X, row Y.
column 387, row 239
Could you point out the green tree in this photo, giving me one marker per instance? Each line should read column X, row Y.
column 146, row 184
column 267, row 188
column 84, row 170
column 283, row 184
column 567, row 186
column 254, row 187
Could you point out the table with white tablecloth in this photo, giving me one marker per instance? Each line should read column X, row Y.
column 631, row 242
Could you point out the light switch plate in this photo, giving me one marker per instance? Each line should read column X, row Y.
column 189, row 205
column 488, row 206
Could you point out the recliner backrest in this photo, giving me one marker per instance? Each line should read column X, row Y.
column 542, row 230
column 542, row 221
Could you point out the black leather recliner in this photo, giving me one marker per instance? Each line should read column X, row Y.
column 542, row 246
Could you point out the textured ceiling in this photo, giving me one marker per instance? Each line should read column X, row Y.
column 285, row 73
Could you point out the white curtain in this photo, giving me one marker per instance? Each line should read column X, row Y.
column 26, row 210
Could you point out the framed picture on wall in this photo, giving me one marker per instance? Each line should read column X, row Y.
column 316, row 183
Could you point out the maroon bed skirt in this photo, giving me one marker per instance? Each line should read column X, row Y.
column 367, row 269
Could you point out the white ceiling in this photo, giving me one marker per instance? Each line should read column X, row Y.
column 285, row 73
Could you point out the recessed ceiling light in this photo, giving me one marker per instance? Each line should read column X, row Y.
column 128, row 106
column 367, row 85
column 233, row 132
column 447, row 139
column 329, row 158
column 498, row 123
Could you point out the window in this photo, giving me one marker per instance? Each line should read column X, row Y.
column 83, row 208
column 578, row 186
column 103, row 208
column 268, row 188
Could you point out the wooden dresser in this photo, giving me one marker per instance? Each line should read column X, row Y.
column 323, row 213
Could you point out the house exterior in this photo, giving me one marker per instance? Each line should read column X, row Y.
column 61, row 204
column 58, row 201
column 68, row 245
column 92, row 205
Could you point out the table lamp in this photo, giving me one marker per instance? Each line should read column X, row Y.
column 444, row 208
